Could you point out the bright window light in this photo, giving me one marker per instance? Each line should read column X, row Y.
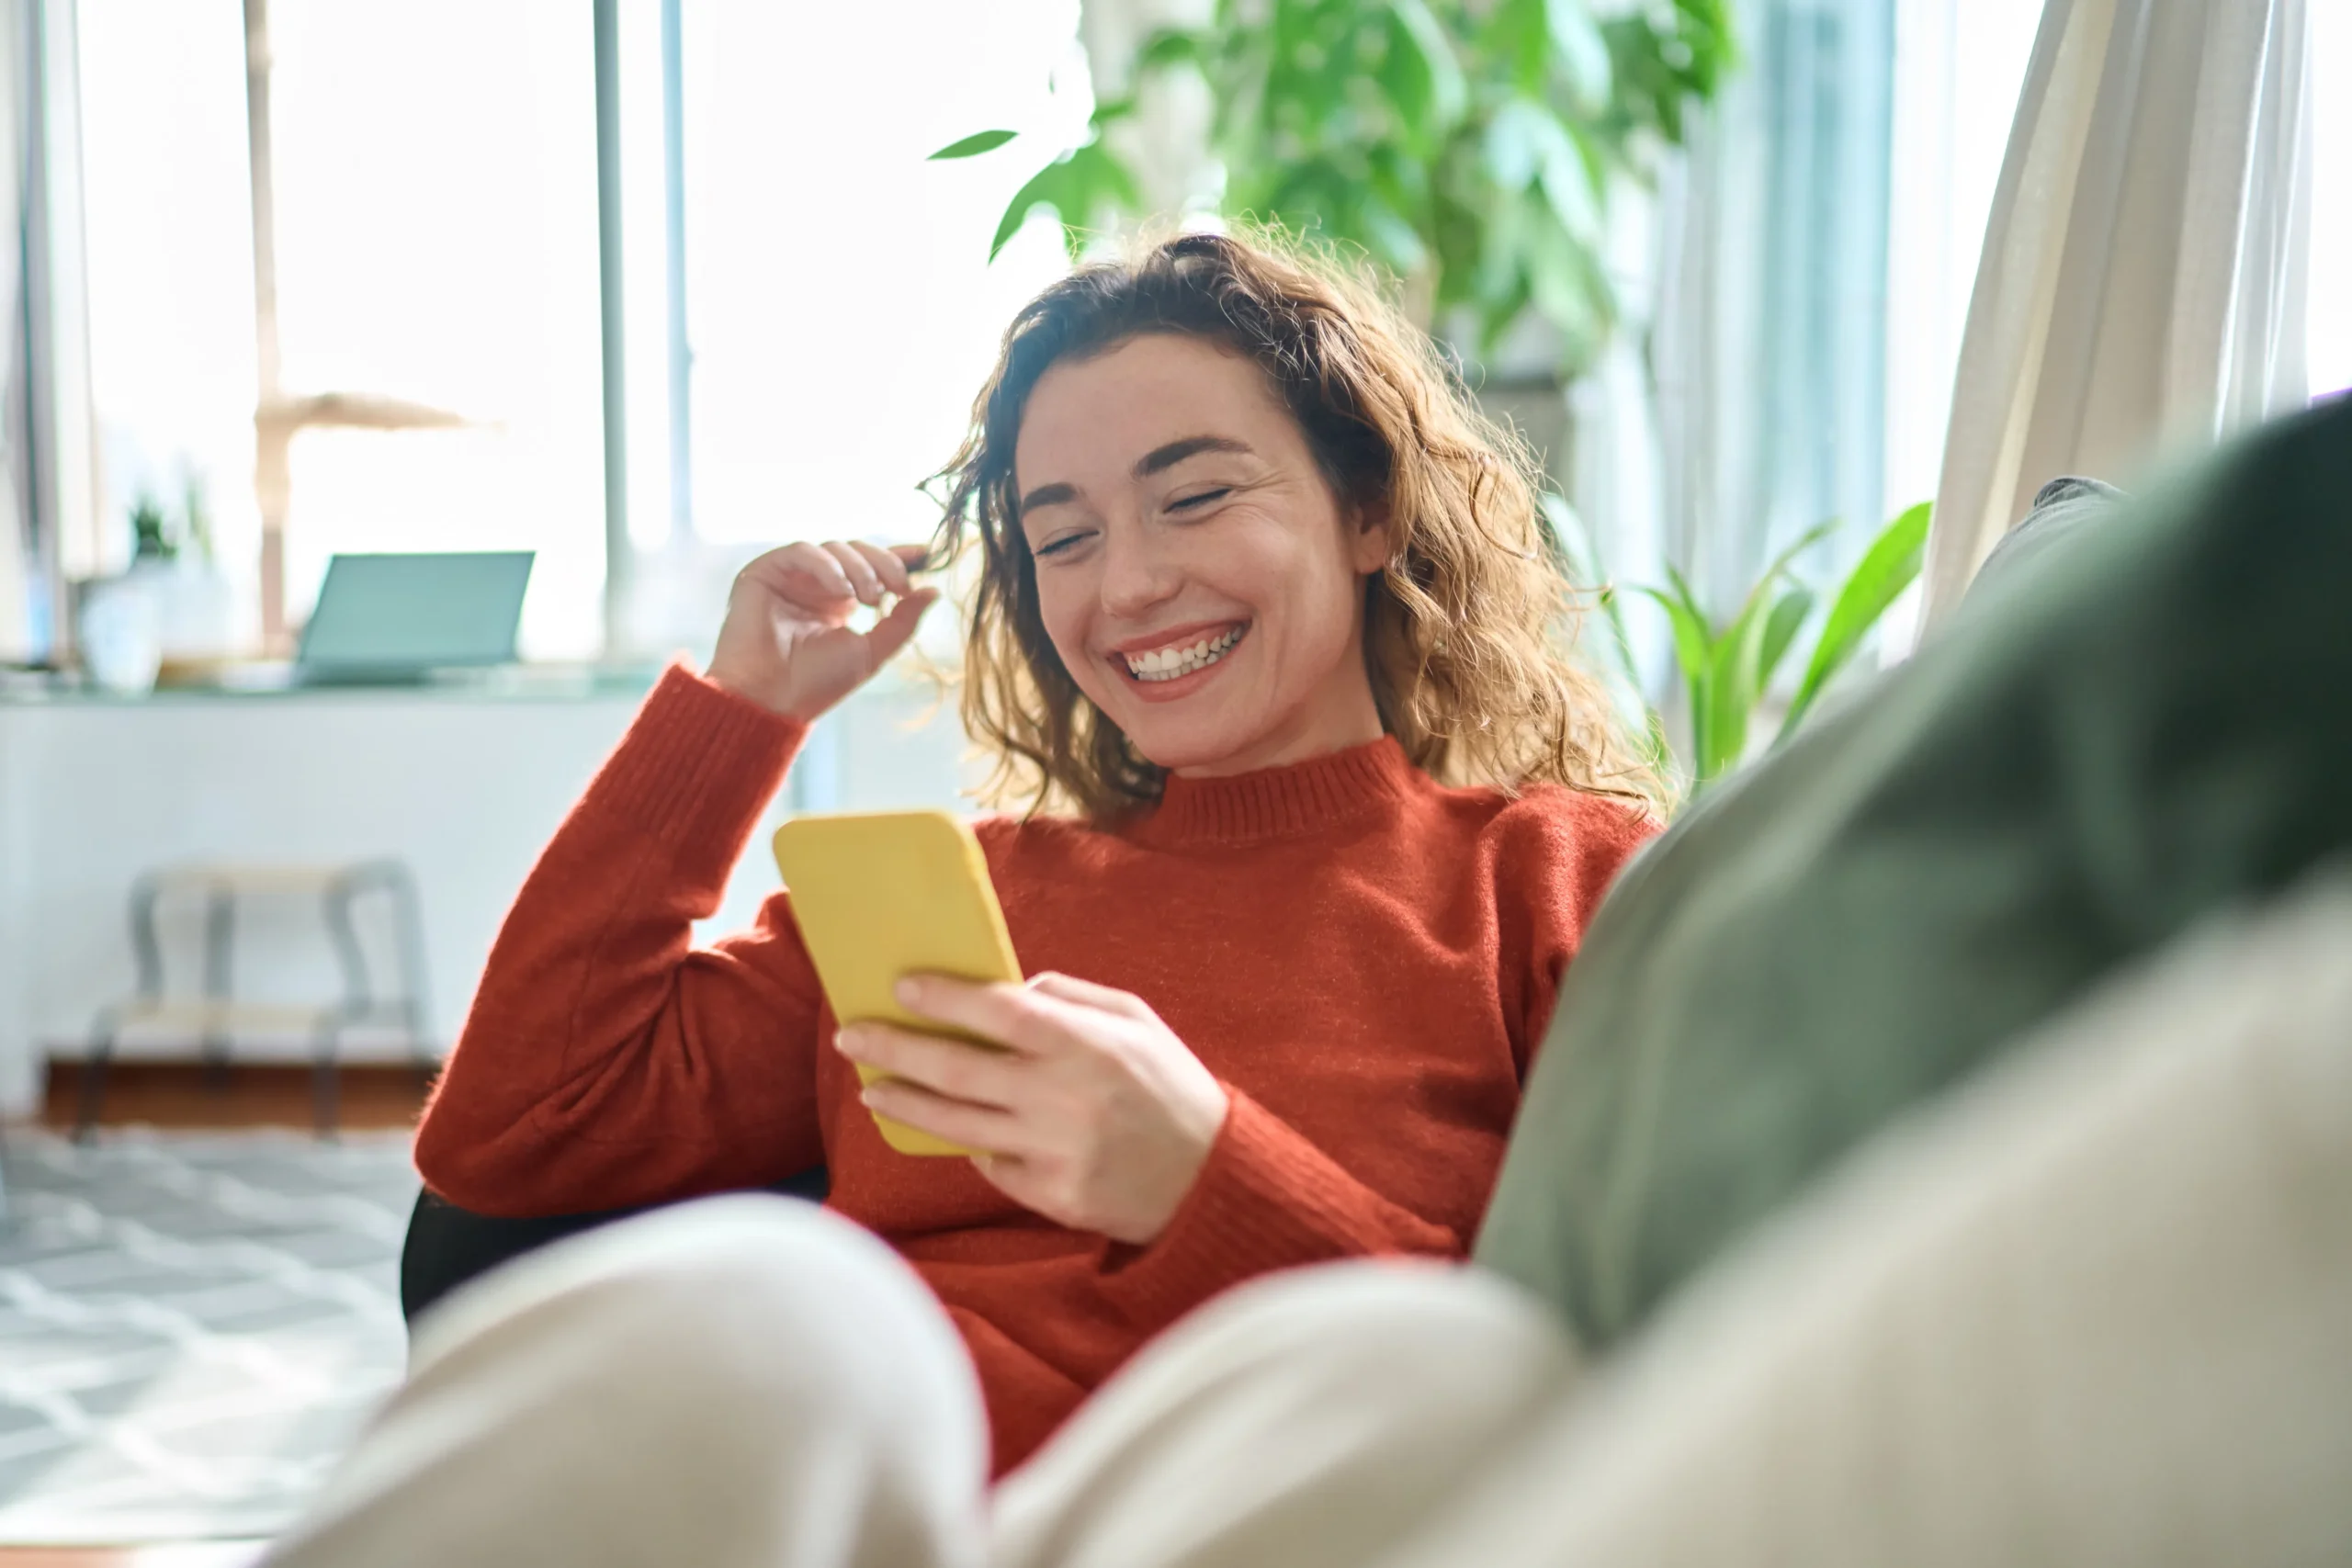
column 435, row 205
column 168, row 238
column 437, row 223
column 842, row 311
column 2328, row 342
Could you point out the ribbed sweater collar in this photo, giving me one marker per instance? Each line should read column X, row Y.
column 1277, row 802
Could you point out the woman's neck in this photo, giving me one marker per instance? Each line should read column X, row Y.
column 1343, row 719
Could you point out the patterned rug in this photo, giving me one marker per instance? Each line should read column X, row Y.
column 192, row 1327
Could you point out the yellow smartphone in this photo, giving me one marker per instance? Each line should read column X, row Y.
column 883, row 894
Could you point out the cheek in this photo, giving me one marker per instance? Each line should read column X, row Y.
column 1321, row 594
column 1063, row 612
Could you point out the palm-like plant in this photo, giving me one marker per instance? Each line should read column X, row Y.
column 1468, row 146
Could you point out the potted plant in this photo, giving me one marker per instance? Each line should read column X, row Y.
column 1470, row 147
column 172, row 561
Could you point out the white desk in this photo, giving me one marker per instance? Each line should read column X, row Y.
column 463, row 785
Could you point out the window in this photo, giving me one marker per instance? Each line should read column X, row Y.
column 1959, row 69
column 435, row 238
column 168, row 248
column 435, row 220
column 840, row 308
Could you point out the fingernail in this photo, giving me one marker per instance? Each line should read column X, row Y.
column 909, row 991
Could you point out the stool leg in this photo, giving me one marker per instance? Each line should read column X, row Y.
column 147, row 953
column 358, row 1002
column 94, row 1076
column 220, row 941
column 417, row 1010
column 324, row 1086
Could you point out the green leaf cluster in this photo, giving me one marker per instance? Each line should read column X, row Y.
column 1469, row 146
column 157, row 534
column 1728, row 668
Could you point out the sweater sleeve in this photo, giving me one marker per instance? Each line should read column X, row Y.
column 1559, row 853
column 1266, row 1199
column 605, row 1061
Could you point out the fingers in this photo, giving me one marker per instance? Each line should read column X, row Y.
column 891, row 632
column 863, row 578
column 839, row 569
column 1012, row 1016
column 1086, row 993
column 887, row 568
column 959, row 1121
column 956, row 1069
column 802, row 572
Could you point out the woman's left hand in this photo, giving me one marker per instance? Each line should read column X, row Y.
column 1094, row 1114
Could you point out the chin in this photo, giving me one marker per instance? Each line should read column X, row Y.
column 1205, row 740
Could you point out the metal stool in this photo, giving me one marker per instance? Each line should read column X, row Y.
column 215, row 1017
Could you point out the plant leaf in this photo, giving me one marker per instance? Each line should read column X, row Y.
column 1804, row 542
column 1517, row 36
column 1077, row 185
column 1695, row 650
column 972, row 146
column 1886, row 569
column 1170, row 47
column 1735, row 682
column 1046, row 187
column 1789, row 613
column 1426, row 69
column 1577, row 44
column 1693, row 642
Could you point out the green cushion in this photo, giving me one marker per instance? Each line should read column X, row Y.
column 2154, row 723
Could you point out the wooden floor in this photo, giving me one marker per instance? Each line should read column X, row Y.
column 183, row 1095
column 188, row 1095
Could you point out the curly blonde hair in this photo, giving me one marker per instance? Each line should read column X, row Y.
column 1467, row 629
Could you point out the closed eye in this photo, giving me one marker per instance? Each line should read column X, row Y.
column 1056, row 547
column 1201, row 499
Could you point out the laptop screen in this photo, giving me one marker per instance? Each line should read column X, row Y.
column 397, row 612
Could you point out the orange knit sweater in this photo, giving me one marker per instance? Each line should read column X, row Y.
column 1364, row 959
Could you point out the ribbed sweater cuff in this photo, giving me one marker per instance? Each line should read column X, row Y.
column 1266, row 1199
column 696, row 761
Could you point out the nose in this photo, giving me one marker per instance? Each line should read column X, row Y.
column 1137, row 572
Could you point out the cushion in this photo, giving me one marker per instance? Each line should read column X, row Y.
column 2155, row 722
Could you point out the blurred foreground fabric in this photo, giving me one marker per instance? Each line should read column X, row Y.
column 2147, row 729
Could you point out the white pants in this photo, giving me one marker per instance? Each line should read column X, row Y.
column 2095, row 1310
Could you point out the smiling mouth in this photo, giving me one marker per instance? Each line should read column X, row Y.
column 1175, row 663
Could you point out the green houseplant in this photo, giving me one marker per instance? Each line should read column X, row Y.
column 1727, row 667
column 1468, row 146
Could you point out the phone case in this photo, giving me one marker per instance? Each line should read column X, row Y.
column 878, row 895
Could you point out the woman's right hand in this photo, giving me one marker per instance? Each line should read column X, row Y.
column 787, row 643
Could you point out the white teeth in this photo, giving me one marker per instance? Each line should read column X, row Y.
column 1167, row 663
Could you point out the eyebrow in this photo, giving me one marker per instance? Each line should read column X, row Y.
column 1152, row 462
column 1175, row 452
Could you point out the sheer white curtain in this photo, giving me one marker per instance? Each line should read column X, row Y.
column 2143, row 275
column 15, row 510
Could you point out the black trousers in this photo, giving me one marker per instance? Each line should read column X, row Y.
column 448, row 1246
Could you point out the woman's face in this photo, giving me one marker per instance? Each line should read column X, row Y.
column 1196, row 574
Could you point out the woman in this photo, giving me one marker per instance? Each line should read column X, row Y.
column 1263, row 613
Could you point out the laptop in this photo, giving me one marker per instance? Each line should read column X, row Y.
column 394, row 620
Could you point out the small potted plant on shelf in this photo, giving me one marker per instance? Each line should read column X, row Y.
column 171, row 614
